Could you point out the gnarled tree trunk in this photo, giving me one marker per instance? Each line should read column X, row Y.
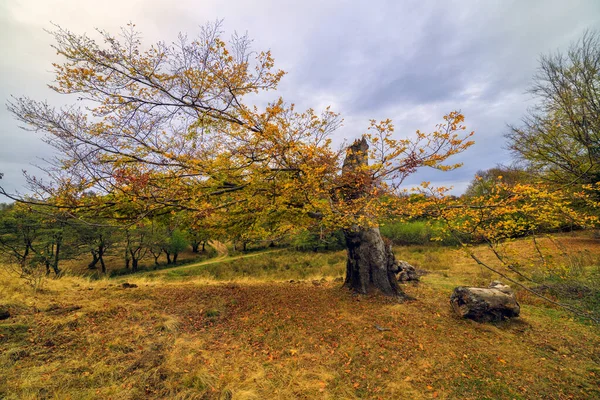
column 371, row 264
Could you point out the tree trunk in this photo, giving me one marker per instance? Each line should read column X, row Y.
column 195, row 246
column 101, row 251
column 204, row 246
column 57, row 256
column 127, row 259
column 95, row 260
column 168, row 258
column 371, row 264
column 134, row 264
column 103, row 265
column 175, row 258
column 23, row 258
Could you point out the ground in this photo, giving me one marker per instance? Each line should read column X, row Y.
column 239, row 329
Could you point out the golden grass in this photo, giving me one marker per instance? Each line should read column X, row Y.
column 198, row 337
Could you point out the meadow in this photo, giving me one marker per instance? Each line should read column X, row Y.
column 278, row 325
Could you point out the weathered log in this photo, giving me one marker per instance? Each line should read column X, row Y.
column 494, row 303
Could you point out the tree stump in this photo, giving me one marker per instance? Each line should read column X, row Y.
column 493, row 303
column 370, row 261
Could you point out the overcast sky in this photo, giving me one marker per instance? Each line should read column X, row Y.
column 411, row 61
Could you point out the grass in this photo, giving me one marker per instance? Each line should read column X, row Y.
column 241, row 330
column 270, row 265
column 115, row 264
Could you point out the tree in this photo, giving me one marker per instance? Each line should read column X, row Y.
column 96, row 238
column 176, row 243
column 171, row 127
column 137, row 239
column 32, row 238
column 485, row 181
column 18, row 232
column 561, row 136
column 49, row 250
column 156, row 242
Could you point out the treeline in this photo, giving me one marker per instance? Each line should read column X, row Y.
column 38, row 240
column 41, row 238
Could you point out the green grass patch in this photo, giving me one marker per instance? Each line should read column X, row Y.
column 284, row 265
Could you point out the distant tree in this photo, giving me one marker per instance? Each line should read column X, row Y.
column 50, row 249
column 156, row 241
column 19, row 230
column 560, row 137
column 34, row 239
column 137, row 238
column 176, row 243
column 486, row 180
column 197, row 231
column 197, row 237
column 97, row 237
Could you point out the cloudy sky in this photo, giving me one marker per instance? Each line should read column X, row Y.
column 411, row 61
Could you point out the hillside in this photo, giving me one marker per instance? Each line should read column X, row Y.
column 289, row 331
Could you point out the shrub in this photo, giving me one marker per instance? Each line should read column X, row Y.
column 416, row 233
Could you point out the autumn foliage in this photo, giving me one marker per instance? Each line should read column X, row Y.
column 171, row 126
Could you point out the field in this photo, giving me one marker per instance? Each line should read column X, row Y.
column 278, row 326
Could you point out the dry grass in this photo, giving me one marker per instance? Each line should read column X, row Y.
column 197, row 337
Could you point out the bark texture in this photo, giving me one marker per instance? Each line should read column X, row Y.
column 370, row 263
column 493, row 303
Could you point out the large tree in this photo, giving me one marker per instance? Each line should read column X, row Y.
column 173, row 127
column 560, row 137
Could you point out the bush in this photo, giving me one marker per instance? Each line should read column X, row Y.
column 315, row 241
column 416, row 233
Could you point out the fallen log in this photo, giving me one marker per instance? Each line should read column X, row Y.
column 494, row 303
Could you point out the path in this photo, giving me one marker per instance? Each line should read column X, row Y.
column 219, row 259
